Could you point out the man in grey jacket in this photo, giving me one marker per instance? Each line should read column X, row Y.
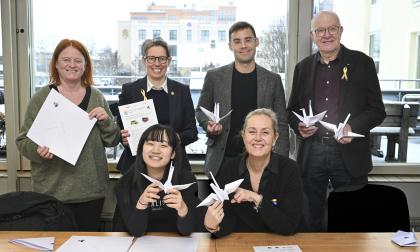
column 241, row 86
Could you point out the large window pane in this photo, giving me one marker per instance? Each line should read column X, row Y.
column 197, row 32
column 392, row 42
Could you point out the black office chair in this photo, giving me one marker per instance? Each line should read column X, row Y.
column 374, row 208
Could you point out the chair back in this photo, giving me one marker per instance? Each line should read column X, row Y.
column 374, row 208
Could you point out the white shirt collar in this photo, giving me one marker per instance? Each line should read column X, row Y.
column 164, row 86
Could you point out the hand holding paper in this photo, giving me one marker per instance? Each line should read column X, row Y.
column 219, row 194
column 168, row 184
column 310, row 119
column 339, row 130
column 214, row 116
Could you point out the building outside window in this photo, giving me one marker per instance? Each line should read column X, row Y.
column 205, row 35
column 172, row 34
column 189, row 35
column 221, row 35
column 156, row 33
column 142, row 34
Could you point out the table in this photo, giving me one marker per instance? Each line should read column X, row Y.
column 308, row 242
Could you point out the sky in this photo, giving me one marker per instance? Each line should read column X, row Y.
column 85, row 19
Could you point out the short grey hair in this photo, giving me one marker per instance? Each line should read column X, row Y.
column 149, row 43
column 330, row 13
column 263, row 111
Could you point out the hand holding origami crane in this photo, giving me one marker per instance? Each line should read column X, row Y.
column 168, row 184
column 310, row 119
column 214, row 116
column 219, row 194
column 339, row 131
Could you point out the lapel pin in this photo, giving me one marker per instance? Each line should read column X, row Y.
column 172, row 93
column 344, row 76
column 274, row 202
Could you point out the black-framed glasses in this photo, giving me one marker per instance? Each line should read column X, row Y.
column 332, row 30
column 152, row 59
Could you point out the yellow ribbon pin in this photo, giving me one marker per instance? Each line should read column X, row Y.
column 143, row 93
column 344, row 76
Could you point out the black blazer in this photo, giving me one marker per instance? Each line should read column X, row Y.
column 181, row 113
column 281, row 207
column 360, row 96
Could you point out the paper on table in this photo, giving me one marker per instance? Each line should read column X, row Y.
column 219, row 194
column 96, row 243
column 280, row 248
column 339, row 130
column 40, row 243
column 405, row 239
column 168, row 184
column 310, row 119
column 163, row 243
column 61, row 126
column 215, row 115
column 136, row 118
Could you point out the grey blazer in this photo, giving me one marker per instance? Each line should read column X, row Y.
column 217, row 87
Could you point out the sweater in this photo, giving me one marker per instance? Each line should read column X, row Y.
column 88, row 179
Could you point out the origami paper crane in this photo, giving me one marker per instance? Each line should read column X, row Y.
column 214, row 116
column 339, row 130
column 310, row 119
column 219, row 194
column 168, row 184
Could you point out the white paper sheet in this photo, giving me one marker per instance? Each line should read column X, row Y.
column 39, row 243
column 279, row 248
column 136, row 118
column 61, row 126
column 405, row 239
column 149, row 243
column 96, row 244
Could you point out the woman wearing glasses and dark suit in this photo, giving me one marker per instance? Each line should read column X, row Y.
column 172, row 100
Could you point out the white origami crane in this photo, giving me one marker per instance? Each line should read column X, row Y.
column 219, row 194
column 310, row 119
column 214, row 116
column 168, row 184
column 339, row 131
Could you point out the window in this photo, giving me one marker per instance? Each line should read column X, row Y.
column 205, row 35
column 172, row 34
column 189, row 35
column 119, row 32
column 375, row 48
column 142, row 34
column 156, row 33
column 366, row 30
column 221, row 35
column 173, row 51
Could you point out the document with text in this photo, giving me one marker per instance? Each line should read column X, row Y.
column 136, row 118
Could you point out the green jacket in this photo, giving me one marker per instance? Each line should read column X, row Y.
column 88, row 179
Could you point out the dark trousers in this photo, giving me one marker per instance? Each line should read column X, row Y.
column 324, row 165
column 88, row 214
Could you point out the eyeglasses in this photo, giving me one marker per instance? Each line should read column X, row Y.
column 152, row 59
column 246, row 41
column 68, row 61
column 332, row 30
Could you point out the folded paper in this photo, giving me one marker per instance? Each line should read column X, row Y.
column 339, row 130
column 219, row 194
column 215, row 115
